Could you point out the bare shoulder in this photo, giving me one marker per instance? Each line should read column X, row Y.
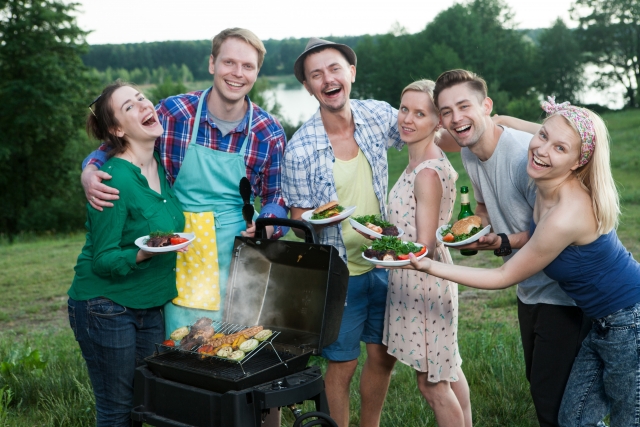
column 427, row 182
column 572, row 219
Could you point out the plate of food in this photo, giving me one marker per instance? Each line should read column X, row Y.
column 328, row 213
column 160, row 241
column 462, row 232
column 374, row 225
column 390, row 251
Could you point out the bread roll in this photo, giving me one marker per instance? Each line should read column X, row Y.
column 465, row 225
column 326, row 207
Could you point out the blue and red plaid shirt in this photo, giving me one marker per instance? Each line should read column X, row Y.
column 263, row 156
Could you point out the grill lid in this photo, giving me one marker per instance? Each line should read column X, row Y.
column 297, row 288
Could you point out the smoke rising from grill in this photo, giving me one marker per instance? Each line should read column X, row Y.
column 281, row 286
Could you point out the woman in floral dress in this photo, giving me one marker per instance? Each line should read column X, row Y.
column 422, row 310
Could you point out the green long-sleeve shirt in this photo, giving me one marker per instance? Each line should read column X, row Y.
column 107, row 265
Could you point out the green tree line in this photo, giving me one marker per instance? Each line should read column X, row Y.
column 49, row 75
column 194, row 55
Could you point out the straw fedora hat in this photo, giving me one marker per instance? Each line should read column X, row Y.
column 315, row 43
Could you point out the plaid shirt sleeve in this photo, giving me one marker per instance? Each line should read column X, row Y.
column 95, row 158
column 264, row 166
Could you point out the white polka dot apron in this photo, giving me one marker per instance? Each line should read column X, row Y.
column 207, row 187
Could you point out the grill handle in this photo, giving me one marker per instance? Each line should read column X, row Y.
column 310, row 235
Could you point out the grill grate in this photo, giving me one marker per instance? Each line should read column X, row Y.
column 217, row 368
column 227, row 329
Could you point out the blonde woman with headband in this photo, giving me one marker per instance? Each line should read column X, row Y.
column 573, row 239
column 421, row 318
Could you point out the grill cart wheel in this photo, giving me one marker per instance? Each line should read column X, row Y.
column 304, row 420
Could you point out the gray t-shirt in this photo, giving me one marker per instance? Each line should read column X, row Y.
column 503, row 185
column 224, row 125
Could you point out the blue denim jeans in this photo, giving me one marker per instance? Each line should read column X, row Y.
column 114, row 340
column 605, row 378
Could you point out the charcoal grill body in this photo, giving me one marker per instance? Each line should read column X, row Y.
column 295, row 288
column 164, row 403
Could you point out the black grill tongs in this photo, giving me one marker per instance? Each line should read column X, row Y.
column 248, row 209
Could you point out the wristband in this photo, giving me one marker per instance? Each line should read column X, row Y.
column 505, row 246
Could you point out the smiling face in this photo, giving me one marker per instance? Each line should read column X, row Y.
column 234, row 70
column 554, row 150
column 136, row 117
column 464, row 113
column 328, row 77
column 417, row 117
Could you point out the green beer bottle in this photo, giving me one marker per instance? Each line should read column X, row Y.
column 465, row 211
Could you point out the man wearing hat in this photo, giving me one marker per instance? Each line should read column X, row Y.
column 341, row 154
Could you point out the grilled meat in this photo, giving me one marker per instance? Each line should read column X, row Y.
column 201, row 323
column 189, row 342
column 390, row 231
column 229, row 339
column 160, row 241
column 372, row 254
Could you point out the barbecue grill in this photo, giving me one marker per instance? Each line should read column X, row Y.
column 296, row 289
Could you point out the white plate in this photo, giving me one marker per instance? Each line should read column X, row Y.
column 344, row 214
column 140, row 243
column 398, row 263
column 471, row 239
column 355, row 224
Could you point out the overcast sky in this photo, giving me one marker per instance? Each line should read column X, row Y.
column 132, row 21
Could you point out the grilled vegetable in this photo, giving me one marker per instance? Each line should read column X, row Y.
column 417, row 254
column 236, row 355
column 249, row 345
column 169, row 343
column 238, row 341
column 179, row 333
column 445, row 232
column 206, row 349
column 224, row 351
column 178, row 240
column 263, row 334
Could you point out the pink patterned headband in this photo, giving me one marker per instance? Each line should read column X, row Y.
column 581, row 120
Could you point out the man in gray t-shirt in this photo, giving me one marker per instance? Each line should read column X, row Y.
column 502, row 185
column 551, row 326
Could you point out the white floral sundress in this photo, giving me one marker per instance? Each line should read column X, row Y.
column 421, row 319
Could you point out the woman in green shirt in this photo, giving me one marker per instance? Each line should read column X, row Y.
column 118, row 291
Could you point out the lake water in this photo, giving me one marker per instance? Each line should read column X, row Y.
column 298, row 106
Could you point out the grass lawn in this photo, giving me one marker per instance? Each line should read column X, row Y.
column 43, row 379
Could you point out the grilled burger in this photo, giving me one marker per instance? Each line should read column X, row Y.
column 466, row 225
column 327, row 210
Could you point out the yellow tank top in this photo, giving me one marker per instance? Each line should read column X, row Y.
column 354, row 185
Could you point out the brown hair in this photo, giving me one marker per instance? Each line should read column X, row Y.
column 455, row 77
column 102, row 120
column 241, row 34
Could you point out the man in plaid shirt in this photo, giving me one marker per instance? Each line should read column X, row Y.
column 263, row 156
column 341, row 154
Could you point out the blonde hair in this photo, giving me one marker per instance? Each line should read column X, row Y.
column 596, row 177
column 241, row 34
column 425, row 86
